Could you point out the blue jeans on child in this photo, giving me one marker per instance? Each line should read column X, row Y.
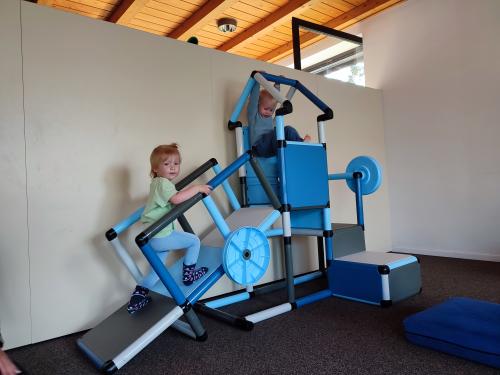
column 265, row 146
column 174, row 241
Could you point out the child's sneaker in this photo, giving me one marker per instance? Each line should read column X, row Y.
column 190, row 274
column 138, row 300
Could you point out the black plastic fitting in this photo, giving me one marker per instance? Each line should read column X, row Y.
column 386, row 303
column 203, row 337
column 233, row 125
column 141, row 239
column 109, row 367
column 328, row 115
column 280, row 143
column 186, row 306
column 384, row 270
column 111, row 234
column 285, row 208
column 328, row 233
column 285, row 108
column 244, row 324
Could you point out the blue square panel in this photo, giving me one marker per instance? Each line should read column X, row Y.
column 306, row 175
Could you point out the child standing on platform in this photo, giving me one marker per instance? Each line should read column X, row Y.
column 262, row 135
column 165, row 166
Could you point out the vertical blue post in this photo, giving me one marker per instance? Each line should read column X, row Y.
column 163, row 274
column 242, row 100
column 280, row 136
column 359, row 201
column 327, row 226
column 329, row 249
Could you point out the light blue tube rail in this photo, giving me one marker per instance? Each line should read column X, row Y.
column 274, row 232
column 235, row 298
column 402, row 262
column 227, row 188
column 217, row 217
column 307, row 277
column 132, row 219
column 242, row 100
column 266, row 224
column 280, row 128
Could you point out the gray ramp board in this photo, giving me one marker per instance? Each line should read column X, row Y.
column 110, row 337
column 210, row 257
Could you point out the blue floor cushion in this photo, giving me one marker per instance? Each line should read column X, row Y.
column 463, row 327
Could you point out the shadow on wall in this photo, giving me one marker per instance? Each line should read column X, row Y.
column 118, row 204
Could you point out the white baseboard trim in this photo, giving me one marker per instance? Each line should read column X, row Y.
column 449, row 254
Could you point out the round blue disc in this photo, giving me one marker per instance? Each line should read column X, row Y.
column 245, row 256
column 371, row 174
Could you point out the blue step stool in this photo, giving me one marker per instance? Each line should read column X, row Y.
column 460, row 326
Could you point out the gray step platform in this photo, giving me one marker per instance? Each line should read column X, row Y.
column 113, row 335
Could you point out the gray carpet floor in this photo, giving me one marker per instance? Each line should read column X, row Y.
column 333, row 336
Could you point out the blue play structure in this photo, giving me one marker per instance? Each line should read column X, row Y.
column 293, row 187
column 460, row 326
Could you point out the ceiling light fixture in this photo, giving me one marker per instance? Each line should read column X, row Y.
column 226, row 25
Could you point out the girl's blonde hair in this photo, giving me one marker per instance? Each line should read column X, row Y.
column 160, row 153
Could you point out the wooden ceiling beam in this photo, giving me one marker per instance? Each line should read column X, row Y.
column 255, row 31
column 45, row 2
column 125, row 10
column 347, row 19
column 208, row 12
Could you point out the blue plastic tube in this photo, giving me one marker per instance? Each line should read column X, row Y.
column 217, row 217
column 227, row 188
column 163, row 274
column 221, row 302
column 307, row 277
column 322, row 294
column 313, row 98
column 242, row 100
column 329, row 248
column 266, row 224
column 359, row 203
column 229, row 170
column 274, row 232
column 280, row 128
column 340, row 176
column 206, row 285
column 124, row 224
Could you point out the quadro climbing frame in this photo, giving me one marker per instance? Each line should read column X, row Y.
column 117, row 339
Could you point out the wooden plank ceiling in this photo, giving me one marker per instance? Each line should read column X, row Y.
column 264, row 29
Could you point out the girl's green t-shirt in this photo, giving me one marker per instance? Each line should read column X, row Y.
column 158, row 204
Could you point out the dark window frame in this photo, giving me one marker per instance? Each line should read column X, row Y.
column 298, row 23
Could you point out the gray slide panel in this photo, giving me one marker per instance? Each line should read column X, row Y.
column 113, row 335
